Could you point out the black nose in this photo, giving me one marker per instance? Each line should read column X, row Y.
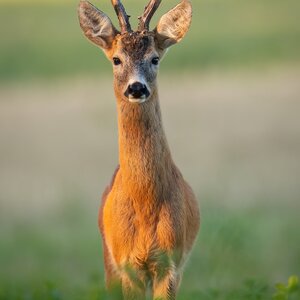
column 137, row 90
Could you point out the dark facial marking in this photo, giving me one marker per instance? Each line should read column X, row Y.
column 136, row 45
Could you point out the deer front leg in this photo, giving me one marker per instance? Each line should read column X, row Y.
column 133, row 287
column 165, row 288
column 112, row 278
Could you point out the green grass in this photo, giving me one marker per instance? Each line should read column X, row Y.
column 239, row 255
column 42, row 40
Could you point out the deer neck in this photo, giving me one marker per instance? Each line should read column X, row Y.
column 144, row 154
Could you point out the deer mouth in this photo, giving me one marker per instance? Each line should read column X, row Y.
column 140, row 100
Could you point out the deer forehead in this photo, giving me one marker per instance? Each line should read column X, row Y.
column 135, row 45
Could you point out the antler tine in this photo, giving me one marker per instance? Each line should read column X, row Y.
column 122, row 16
column 150, row 10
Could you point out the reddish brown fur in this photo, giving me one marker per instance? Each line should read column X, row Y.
column 150, row 209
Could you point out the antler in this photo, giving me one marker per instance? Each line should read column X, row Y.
column 150, row 10
column 122, row 16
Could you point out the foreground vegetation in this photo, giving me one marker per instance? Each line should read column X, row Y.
column 251, row 290
column 44, row 38
column 238, row 255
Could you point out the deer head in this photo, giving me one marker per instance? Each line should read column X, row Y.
column 135, row 55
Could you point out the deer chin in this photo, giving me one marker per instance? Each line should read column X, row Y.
column 140, row 100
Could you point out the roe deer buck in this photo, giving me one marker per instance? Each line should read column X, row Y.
column 149, row 217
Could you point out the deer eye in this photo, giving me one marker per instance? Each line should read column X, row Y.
column 155, row 61
column 116, row 61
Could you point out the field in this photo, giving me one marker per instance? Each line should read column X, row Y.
column 230, row 97
column 235, row 141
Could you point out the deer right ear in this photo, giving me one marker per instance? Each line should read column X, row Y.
column 96, row 25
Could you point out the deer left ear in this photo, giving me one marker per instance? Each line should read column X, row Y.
column 174, row 25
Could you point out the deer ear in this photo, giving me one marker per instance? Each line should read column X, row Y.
column 96, row 25
column 174, row 25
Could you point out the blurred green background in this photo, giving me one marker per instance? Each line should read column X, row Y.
column 42, row 38
column 230, row 95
